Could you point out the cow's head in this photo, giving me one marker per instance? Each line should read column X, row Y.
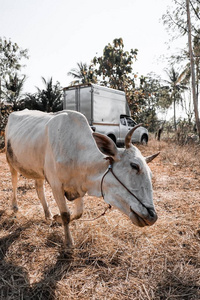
column 132, row 170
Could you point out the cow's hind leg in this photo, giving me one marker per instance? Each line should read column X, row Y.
column 14, row 175
column 39, row 185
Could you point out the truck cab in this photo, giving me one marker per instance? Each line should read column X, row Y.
column 140, row 135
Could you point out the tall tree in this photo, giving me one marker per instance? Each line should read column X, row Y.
column 195, row 100
column 196, row 57
column 114, row 67
column 176, row 87
column 185, row 17
column 11, row 56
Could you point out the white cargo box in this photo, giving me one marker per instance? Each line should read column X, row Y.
column 100, row 105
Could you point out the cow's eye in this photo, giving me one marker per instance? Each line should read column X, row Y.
column 135, row 167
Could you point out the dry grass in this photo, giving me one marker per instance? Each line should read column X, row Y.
column 112, row 258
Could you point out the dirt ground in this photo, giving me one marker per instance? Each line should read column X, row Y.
column 112, row 258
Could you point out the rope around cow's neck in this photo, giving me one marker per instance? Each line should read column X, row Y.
column 109, row 206
column 101, row 215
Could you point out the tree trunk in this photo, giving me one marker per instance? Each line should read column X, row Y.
column 160, row 130
column 0, row 90
column 197, row 81
column 196, row 112
column 174, row 113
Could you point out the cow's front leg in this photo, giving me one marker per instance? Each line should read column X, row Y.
column 66, row 220
column 14, row 175
column 39, row 185
column 64, row 213
column 78, row 209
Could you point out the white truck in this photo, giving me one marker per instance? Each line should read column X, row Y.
column 106, row 110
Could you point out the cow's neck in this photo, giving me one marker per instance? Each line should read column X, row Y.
column 95, row 175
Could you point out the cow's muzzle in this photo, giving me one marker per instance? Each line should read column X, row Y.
column 143, row 220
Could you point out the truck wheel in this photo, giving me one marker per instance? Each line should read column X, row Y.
column 144, row 140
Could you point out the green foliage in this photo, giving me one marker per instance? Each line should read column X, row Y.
column 147, row 99
column 83, row 74
column 49, row 99
column 10, row 57
column 30, row 101
column 115, row 66
column 13, row 89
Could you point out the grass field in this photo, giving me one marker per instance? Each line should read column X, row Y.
column 112, row 258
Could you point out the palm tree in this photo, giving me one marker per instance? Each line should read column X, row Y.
column 176, row 85
column 30, row 101
column 83, row 74
column 50, row 98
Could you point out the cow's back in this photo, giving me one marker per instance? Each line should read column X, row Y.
column 38, row 142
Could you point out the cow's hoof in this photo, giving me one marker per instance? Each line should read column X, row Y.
column 57, row 219
column 67, row 253
column 68, row 250
column 15, row 208
column 69, row 244
column 48, row 216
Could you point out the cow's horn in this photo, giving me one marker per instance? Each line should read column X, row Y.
column 151, row 157
column 129, row 135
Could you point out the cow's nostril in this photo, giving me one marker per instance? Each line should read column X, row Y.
column 152, row 212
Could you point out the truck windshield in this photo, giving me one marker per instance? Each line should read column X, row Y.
column 130, row 122
column 127, row 121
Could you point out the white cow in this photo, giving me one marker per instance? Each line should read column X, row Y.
column 62, row 149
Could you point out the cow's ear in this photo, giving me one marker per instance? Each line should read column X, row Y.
column 105, row 144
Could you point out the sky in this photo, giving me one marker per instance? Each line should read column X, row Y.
column 60, row 33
